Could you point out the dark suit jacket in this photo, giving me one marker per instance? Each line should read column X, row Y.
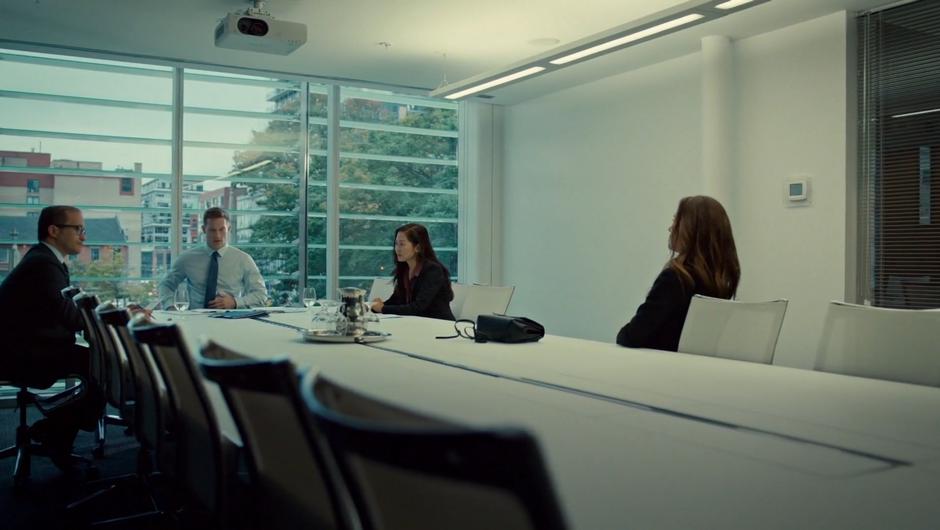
column 432, row 295
column 658, row 321
column 35, row 319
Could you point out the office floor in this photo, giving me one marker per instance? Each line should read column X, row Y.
column 41, row 504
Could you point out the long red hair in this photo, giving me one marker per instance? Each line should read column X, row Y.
column 703, row 250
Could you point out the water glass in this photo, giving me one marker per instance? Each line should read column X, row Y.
column 309, row 297
column 326, row 317
column 181, row 297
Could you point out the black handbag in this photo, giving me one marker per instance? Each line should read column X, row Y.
column 505, row 328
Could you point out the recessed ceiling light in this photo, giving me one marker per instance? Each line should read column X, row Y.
column 676, row 18
column 626, row 39
column 496, row 82
column 731, row 4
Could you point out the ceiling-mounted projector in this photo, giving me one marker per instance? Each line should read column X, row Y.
column 256, row 30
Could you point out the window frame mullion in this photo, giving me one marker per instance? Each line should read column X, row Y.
column 303, row 179
column 332, row 191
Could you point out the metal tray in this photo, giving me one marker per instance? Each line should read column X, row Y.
column 325, row 335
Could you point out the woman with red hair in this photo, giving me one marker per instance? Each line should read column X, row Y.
column 704, row 261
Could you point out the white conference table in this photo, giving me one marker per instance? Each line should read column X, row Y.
column 894, row 420
column 618, row 465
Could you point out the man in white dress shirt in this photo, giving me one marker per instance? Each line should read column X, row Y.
column 219, row 276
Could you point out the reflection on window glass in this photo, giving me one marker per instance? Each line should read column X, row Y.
column 398, row 164
column 98, row 135
column 242, row 149
column 95, row 152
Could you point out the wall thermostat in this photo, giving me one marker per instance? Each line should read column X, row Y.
column 797, row 191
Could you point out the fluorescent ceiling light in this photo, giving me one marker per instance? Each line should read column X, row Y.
column 918, row 113
column 499, row 81
column 677, row 18
column 731, row 4
column 629, row 38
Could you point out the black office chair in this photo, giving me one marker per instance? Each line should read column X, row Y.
column 120, row 385
column 24, row 448
column 101, row 368
column 152, row 413
column 205, row 467
column 291, row 484
column 429, row 477
column 147, row 419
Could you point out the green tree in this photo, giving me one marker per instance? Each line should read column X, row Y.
column 282, row 229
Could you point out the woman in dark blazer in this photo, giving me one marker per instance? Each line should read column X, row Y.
column 704, row 261
column 422, row 283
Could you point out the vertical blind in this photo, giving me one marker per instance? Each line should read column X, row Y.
column 899, row 150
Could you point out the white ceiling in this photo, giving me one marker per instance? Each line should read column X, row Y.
column 343, row 36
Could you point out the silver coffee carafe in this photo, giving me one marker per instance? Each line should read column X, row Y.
column 352, row 310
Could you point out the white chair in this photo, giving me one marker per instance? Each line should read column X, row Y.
column 485, row 300
column 381, row 288
column 460, row 294
column 879, row 343
column 745, row 331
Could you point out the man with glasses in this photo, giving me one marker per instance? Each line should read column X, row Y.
column 38, row 324
column 218, row 276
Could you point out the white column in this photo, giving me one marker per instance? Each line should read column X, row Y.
column 717, row 114
column 480, row 193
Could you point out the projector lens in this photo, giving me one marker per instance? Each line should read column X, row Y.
column 252, row 26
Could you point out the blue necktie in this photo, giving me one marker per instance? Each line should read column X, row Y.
column 213, row 279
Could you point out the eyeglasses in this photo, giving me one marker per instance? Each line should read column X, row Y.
column 78, row 228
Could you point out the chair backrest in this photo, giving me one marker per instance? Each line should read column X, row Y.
column 460, row 295
column 745, row 331
column 137, row 376
column 86, row 303
column 892, row 344
column 152, row 411
column 434, row 477
column 291, row 475
column 69, row 291
column 485, row 300
column 381, row 288
column 195, row 428
column 119, row 390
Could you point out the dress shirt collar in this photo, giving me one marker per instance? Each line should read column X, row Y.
column 55, row 251
column 221, row 251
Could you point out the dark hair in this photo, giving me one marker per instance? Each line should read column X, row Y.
column 53, row 215
column 703, row 250
column 215, row 213
column 418, row 236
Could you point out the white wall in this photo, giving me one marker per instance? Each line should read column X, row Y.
column 480, row 163
column 592, row 175
column 791, row 91
column 591, row 178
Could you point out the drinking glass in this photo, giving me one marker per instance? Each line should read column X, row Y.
column 181, row 298
column 309, row 297
column 325, row 318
